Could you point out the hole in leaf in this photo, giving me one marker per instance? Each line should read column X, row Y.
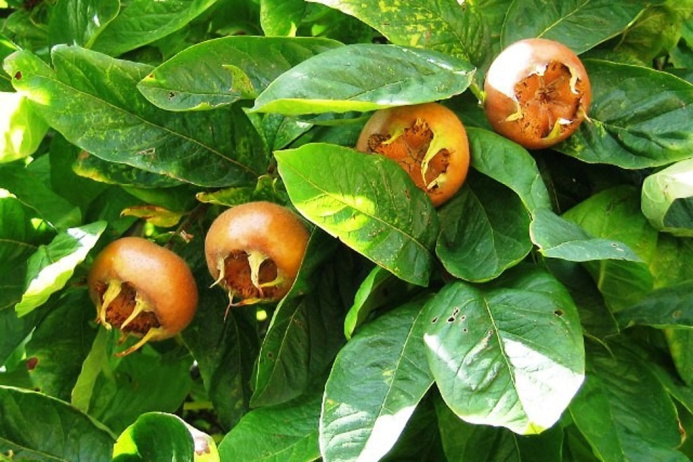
column 434, row 320
column 558, row 312
column 18, row 75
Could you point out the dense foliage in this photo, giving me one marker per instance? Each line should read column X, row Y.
column 543, row 313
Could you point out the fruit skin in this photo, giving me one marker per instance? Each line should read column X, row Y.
column 254, row 251
column 166, row 292
column 427, row 140
column 537, row 93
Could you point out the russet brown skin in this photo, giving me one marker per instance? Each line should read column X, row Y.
column 270, row 235
column 157, row 277
column 537, row 93
column 427, row 140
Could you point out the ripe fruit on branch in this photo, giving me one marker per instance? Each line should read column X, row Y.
column 427, row 140
column 537, row 93
column 142, row 289
column 254, row 251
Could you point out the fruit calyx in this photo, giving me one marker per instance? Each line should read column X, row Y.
column 250, row 276
column 417, row 150
column 549, row 100
column 122, row 307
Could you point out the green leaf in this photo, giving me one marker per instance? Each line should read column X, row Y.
column 305, row 332
column 463, row 441
column 92, row 100
column 94, row 168
column 379, row 289
column 578, row 24
column 614, row 214
column 36, row 427
column 51, row 266
column 233, row 68
column 34, row 194
column 510, row 354
column 225, row 349
column 60, row 344
column 443, row 25
column 378, row 76
column 18, row 236
column 281, row 17
column 667, row 199
column 560, row 238
column 368, row 201
column 22, row 129
column 79, row 22
column 612, row 415
column 283, row 433
column 138, row 383
column 483, row 230
column 509, row 164
column 680, row 342
column 656, row 31
column 670, row 306
column 158, row 436
column 639, row 118
column 140, row 22
column 387, row 358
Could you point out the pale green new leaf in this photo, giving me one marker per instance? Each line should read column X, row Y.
column 508, row 354
column 365, row 77
column 368, row 201
column 51, row 266
column 667, row 199
column 21, row 129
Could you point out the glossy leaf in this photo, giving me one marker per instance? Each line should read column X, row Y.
column 138, row 383
column 79, row 22
column 282, row 433
column 92, row 100
column 305, row 333
column 445, row 26
column 667, row 199
column 379, row 289
column 365, row 422
column 163, row 437
column 509, row 164
column 21, row 128
column 60, row 344
column 483, row 230
column 510, row 354
column 578, row 24
column 670, row 306
column 34, row 194
column 614, row 214
column 233, row 68
column 322, row 84
column 613, row 416
column 51, row 266
column 368, row 202
column 651, row 130
column 36, row 427
column 140, row 22
column 463, row 441
column 281, row 17
column 560, row 238
column 94, row 168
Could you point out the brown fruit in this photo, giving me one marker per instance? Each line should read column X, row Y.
column 537, row 93
column 254, row 251
column 142, row 289
column 427, row 140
